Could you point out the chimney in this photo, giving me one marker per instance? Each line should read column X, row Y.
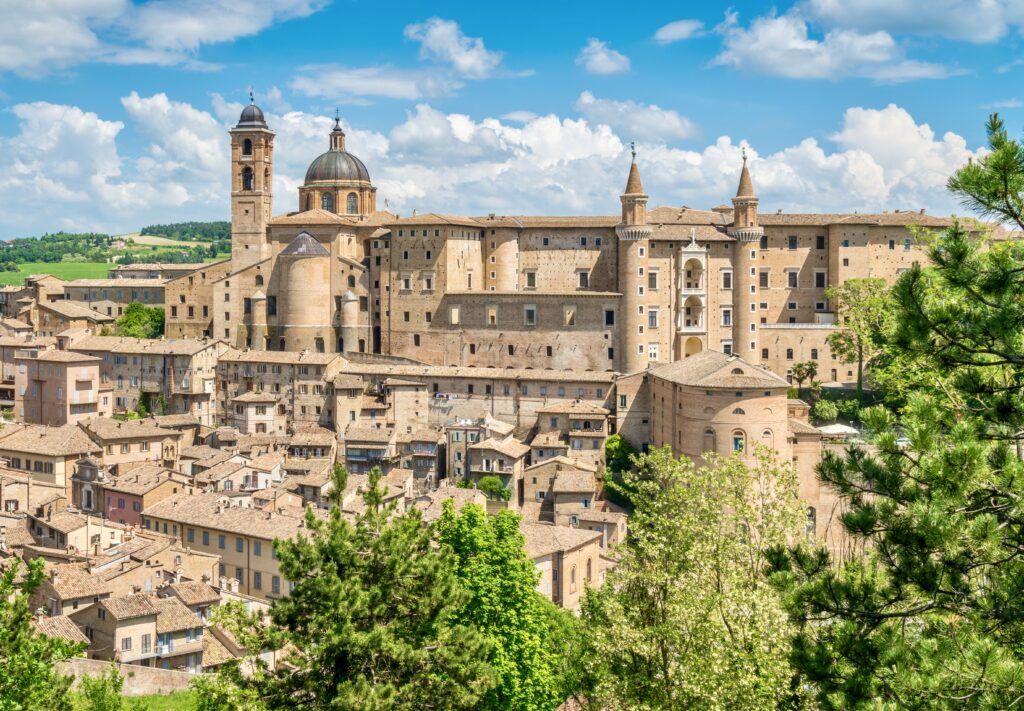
column 53, row 576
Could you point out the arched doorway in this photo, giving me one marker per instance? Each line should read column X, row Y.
column 693, row 346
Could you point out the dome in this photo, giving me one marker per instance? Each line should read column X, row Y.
column 305, row 245
column 252, row 117
column 336, row 165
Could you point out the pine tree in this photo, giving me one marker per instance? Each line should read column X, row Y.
column 374, row 617
column 505, row 607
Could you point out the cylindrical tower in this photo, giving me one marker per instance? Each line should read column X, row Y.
column 304, row 308
column 747, row 232
column 349, row 321
column 633, row 249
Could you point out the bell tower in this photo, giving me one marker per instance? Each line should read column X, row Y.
column 633, row 245
column 252, row 163
column 747, row 233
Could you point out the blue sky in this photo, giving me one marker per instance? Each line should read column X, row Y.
column 113, row 114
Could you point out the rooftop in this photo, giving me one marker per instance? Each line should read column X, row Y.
column 65, row 440
column 542, row 539
column 209, row 510
column 173, row 616
column 711, row 369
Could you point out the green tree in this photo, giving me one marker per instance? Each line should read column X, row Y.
column 687, row 619
column 494, row 488
column 104, row 693
column 825, row 411
column 29, row 680
column 373, row 620
column 862, row 307
column 933, row 616
column 619, row 453
column 139, row 321
column 805, row 370
column 504, row 605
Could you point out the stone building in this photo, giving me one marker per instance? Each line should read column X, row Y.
column 614, row 293
column 53, row 387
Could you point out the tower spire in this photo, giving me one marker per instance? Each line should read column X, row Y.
column 337, row 134
column 746, row 186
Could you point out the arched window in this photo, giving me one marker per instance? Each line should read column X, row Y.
column 767, row 439
column 280, row 344
column 572, row 579
column 739, row 442
column 352, row 205
column 739, row 411
column 737, row 371
column 327, row 202
column 351, row 280
column 589, row 570
column 247, row 147
column 709, row 440
column 362, row 345
column 309, row 201
column 259, row 280
column 319, row 345
column 247, row 179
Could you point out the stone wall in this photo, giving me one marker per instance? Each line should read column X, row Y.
column 138, row 680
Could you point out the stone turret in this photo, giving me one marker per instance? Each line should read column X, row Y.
column 748, row 233
column 634, row 245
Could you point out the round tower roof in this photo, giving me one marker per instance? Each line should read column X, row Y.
column 305, row 245
column 252, row 117
column 336, row 165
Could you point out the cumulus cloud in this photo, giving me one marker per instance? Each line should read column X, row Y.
column 443, row 41
column 878, row 158
column 967, row 20
column 782, row 46
column 39, row 36
column 644, row 122
column 678, row 30
column 598, row 58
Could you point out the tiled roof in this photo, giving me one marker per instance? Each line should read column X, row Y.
column 107, row 428
column 551, row 438
column 54, row 441
column 142, row 479
column 55, row 356
column 73, row 580
column 364, row 433
column 577, row 481
column 432, row 505
column 542, row 539
column 156, row 266
column 116, row 283
column 268, row 461
column 129, row 607
column 433, row 218
column 711, row 369
column 800, row 427
column 320, row 437
column 454, row 371
column 254, row 396
column 315, row 216
column 233, row 355
column 902, row 218
column 574, row 407
column 155, row 346
column 201, row 510
column 172, row 615
column 510, row 446
column 219, row 471
column 561, row 461
column 61, row 627
column 214, row 651
column 72, row 309
column 549, row 221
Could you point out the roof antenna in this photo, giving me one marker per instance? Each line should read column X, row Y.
column 632, row 149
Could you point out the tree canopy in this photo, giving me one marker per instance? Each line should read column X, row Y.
column 140, row 321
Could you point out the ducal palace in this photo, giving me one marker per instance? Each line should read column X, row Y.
column 617, row 292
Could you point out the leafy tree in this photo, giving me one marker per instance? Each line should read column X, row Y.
column 862, row 307
column 825, row 411
column 686, row 619
column 103, row 693
column 340, row 475
column 933, row 616
column 139, row 321
column 493, row 488
column 504, row 605
column 806, row 370
column 619, row 453
column 29, row 680
column 373, row 620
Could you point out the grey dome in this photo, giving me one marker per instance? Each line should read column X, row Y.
column 336, row 165
column 305, row 245
column 252, row 117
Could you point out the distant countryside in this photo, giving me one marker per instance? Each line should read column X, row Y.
column 90, row 255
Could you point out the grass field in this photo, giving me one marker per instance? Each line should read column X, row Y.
column 64, row 270
column 157, row 241
column 180, row 701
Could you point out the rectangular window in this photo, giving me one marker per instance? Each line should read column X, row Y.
column 569, row 313
column 791, row 278
column 529, row 315
column 792, row 242
column 727, row 317
column 453, row 316
column 819, row 280
column 239, row 545
column 584, row 280
column 221, row 541
column 652, row 351
column 819, row 242
column 762, row 280
column 609, row 317
column 726, row 278
column 531, row 280
column 652, row 318
column 652, row 279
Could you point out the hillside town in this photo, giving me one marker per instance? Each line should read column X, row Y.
column 482, row 360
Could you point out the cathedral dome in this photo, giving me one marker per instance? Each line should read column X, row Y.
column 336, row 165
column 252, row 117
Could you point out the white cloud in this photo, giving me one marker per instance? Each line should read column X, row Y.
column 519, row 116
column 978, row 21
column 678, row 30
column 782, row 46
column 598, row 58
column 1004, row 104
column 443, row 41
column 40, row 36
column 333, row 81
column 62, row 167
column 643, row 122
